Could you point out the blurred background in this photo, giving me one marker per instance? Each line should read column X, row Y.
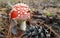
column 44, row 10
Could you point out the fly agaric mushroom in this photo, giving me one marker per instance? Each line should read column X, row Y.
column 21, row 12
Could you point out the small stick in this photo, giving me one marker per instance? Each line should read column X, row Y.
column 49, row 27
column 52, row 30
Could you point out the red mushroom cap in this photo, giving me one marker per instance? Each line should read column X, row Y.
column 20, row 11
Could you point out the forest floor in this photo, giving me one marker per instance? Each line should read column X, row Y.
column 47, row 15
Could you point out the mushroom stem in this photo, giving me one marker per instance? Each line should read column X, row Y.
column 23, row 25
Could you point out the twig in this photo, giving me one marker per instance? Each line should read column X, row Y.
column 49, row 27
column 9, row 32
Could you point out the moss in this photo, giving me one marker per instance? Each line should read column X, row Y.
column 48, row 13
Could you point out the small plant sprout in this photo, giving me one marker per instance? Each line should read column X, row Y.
column 21, row 12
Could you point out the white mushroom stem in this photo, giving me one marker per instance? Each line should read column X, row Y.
column 23, row 25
